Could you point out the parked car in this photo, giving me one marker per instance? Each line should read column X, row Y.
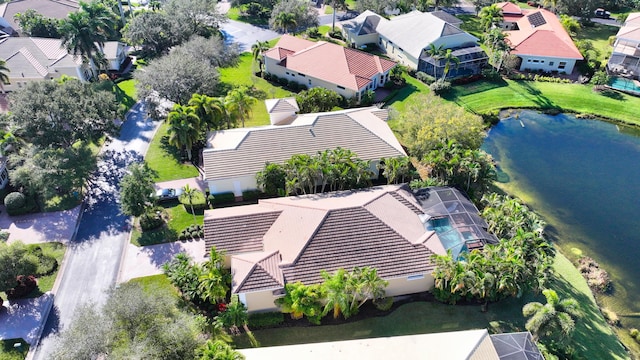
column 168, row 194
column 602, row 13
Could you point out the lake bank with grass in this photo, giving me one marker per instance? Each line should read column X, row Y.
column 580, row 175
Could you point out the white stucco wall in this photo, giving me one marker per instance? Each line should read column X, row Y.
column 547, row 64
column 235, row 185
column 259, row 301
column 396, row 53
column 409, row 284
column 357, row 41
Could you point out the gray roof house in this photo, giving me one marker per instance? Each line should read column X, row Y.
column 35, row 59
column 406, row 38
column 57, row 9
column 233, row 157
column 391, row 228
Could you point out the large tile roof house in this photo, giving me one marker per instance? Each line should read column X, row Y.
column 292, row 239
column 233, row 157
column 539, row 40
column 625, row 58
column 35, row 59
column 454, row 345
column 347, row 71
column 57, row 9
column 406, row 38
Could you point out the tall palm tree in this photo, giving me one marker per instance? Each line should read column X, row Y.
column 184, row 127
column 213, row 282
column 285, row 21
column 257, row 50
column 490, row 16
column 555, row 319
column 449, row 58
column 436, row 53
column 209, row 109
column 79, row 37
column 239, row 102
column 4, row 77
column 102, row 20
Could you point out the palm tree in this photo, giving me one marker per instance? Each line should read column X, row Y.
column 184, row 127
column 553, row 320
column 302, row 300
column 240, row 102
column 102, row 20
column 449, row 58
column 337, row 4
column 213, row 284
column 337, row 298
column 79, row 36
column 367, row 285
column 4, row 77
column 257, row 50
column 210, row 111
column 285, row 21
column 218, row 350
column 490, row 16
column 436, row 53
column 189, row 193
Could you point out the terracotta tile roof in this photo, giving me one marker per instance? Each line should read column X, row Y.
column 242, row 152
column 236, row 231
column 509, row 8
column 256, row 271
column 541, row 34
column 378, row 227
column 349, row 67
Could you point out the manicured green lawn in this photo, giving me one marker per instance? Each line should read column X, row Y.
column 484, row 97
column 9, row 352
column 126, row 93
column 155, row 283
column 404, row 98
column 165, row 158
column 179, row 219
column 235, row 14
column 432, row 317
column 243, row 75
column 599, row 35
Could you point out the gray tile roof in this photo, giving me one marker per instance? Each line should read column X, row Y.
column 242, row 152
column 378, row 227
column 58, row 9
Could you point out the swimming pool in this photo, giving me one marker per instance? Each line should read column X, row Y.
column 448, row 235
column 625, row 85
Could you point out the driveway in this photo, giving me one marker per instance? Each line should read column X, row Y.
column 195, row 183
column 41, row 227
column 23, row 318
column 246, row 34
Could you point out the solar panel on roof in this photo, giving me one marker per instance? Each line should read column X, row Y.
column 536, row 19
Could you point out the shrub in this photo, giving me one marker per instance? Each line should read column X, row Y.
column 597, row 278
column 611, row 317
column 223, row 198
column 467, row 79
column 192, row 231
column 4, row 235
column 266, row 320
column 425, row 78
column 150, row 220
column 313, row 33
column 15, row 202
column 250, row 195
column 384, row 304
column 600, row 78
column 24, row 286
column 47, row 263
column 337, row 34
column 440, row 87
column 634, row 332
column 283, row 81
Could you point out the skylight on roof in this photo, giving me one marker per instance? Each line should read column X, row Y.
column 536, row 19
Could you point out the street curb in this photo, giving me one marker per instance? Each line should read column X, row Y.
column 43, row 321
column 125, row 252
column 63, row 266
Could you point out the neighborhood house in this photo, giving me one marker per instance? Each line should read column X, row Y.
column 57, row 9
column 349, row 72
column 625, row 59
column 407, row 38
column 390, row 228
column 233, row 157
column 36, row 59
column 538, row 39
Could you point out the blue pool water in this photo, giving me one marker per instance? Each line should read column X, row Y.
column 624, row 84
column 449, row 237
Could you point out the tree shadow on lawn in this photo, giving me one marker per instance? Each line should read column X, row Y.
column 161, row 235
column 613, row 95
column 536, row 96
column 587, row 338
column 402, row 94
column 474, row 88
column 170, row 150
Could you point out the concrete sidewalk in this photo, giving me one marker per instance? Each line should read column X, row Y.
column 140, row 261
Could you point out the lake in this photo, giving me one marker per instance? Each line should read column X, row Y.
column 583, row 177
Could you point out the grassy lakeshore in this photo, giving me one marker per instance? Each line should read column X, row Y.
column 484, row 97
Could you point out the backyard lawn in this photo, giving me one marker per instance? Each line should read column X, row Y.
column 243, row 74
column 485, row 96
column 431, row 317
column 165, row 158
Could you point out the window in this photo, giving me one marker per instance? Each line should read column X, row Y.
column 536, row 61
column 380, row 41
column 562, row 65
column 303, row 75
column 287, row 73
column 528, row 60
column 309, row 81
column 550, row 63
column 415, row 277
column 341, row 87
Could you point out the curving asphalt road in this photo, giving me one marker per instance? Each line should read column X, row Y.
column 93, row 258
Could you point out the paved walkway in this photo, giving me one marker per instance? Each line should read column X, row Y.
column 140, row 261
column 40, row 227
